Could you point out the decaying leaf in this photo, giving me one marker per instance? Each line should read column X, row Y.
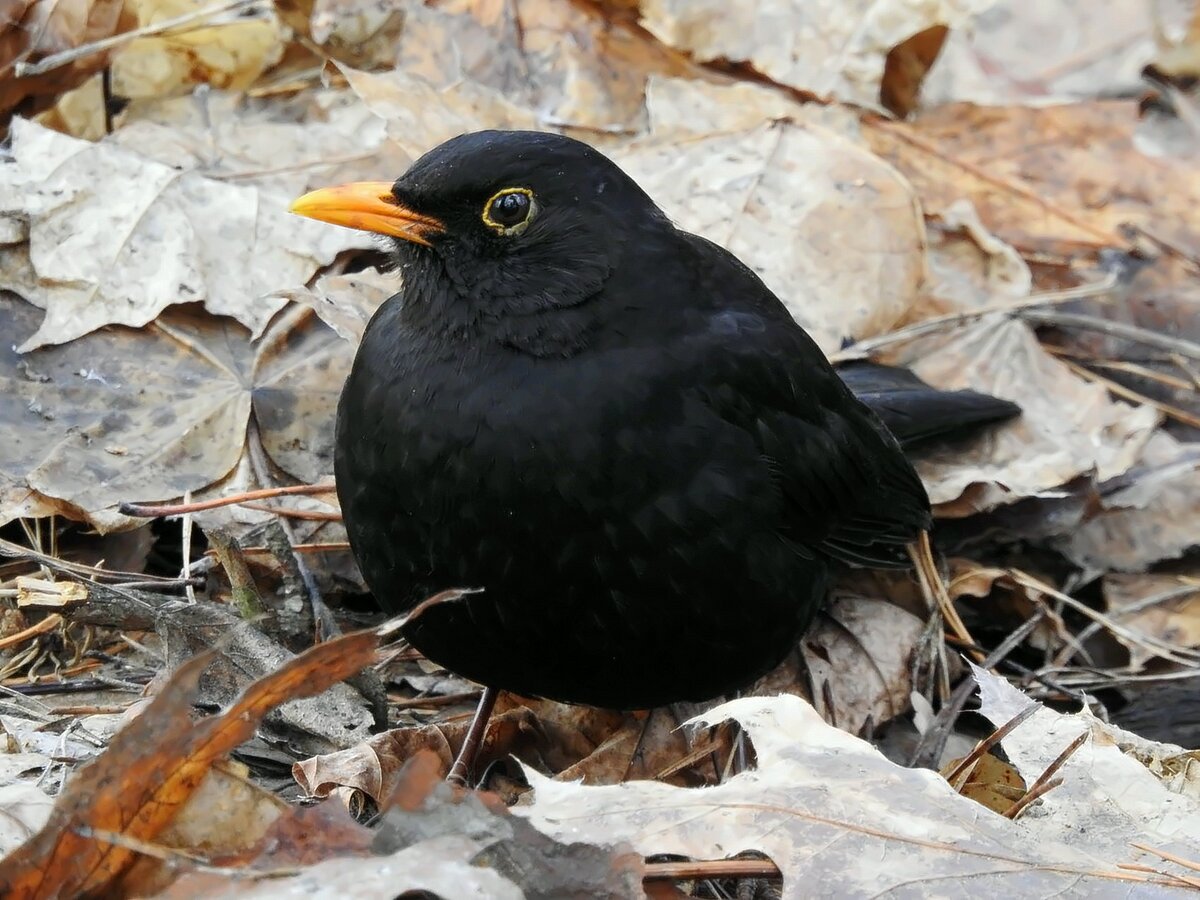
column 231, row 52
column 1052, row 51
column 567, row 61
column 1166, row 607
column 1151, row 515
column 430, row 839
column 374, row 766
column 1072, row 188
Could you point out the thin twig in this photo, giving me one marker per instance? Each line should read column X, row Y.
column 150, row 511
column 711, row 868
column 991, row 741
column 1115, row 387
column 47, row 624
column 1172, row 652
column 54, row 60
column 952, row 709
column 937, row 323
column 1134, row 333
column 1046, row 781
column 1170, row 857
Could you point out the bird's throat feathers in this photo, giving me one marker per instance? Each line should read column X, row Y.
column 543, row 304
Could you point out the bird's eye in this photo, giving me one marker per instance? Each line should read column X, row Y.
column 509, row 211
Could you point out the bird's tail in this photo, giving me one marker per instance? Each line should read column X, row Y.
column 917, row 413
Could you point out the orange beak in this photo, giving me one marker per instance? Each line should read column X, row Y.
column 367, row 206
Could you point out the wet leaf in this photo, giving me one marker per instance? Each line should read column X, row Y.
column 149, row 414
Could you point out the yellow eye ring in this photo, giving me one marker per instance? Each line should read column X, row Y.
column 509, row 211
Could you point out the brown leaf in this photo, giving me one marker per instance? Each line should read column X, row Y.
column 1163, row 606
column 153, row 766
column 374, row 766
column 1050, row 179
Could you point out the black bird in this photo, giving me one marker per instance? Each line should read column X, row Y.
column 608, row 424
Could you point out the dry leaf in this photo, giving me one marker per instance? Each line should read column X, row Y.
column 33, row 29
column 117, row 238
column 1068, row 427
column 817, row 787
column 1111, row 795
column 374, row 766
column 1052, row 51
column 1152, row 514
column 832, row 230
column 564, row 60
column 1051, row 179
column 230, row 53
column 829, row 48
column 1163, row 606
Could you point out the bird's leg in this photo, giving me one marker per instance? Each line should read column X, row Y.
column 465, row 761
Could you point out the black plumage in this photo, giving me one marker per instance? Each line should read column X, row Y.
column 610, row 426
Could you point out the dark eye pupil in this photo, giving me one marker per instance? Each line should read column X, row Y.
column 510, row 209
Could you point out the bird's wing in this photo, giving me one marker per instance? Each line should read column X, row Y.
column 849, row 492
column 917, row 413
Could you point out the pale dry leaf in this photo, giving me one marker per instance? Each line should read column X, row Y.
column 346, row 302
column 228, row 813
column 827, row 808
column 1110, row 797
column 567, row 61
column 420, row 116
column 854, row 664
column 828, row 48
column 833, row 231
column 1068, row 427
column 1052, row 51
column 969, row 268
column 687, row 106
column 442, row 866
column 274, row 147
column 24, row 811
column 1155, row 516
column 117, row 238
column 690, row 106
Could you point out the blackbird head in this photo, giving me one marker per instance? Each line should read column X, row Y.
column 499, row 223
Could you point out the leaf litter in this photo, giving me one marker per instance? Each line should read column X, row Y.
column 161, row 345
